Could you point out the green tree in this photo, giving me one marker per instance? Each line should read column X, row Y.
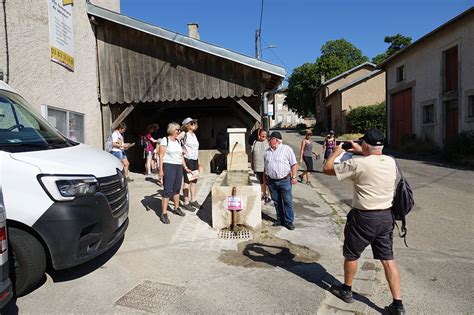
column 336, row 57
column 396, row 42
column 302, row 83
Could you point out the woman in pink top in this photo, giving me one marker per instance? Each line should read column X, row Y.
column 150, row 148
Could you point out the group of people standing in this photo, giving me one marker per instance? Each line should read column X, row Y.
column 176, row 159
column 370, row 222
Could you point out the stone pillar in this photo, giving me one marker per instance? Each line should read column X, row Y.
column 237, row 159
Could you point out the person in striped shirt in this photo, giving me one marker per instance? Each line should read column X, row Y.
column 280, row 174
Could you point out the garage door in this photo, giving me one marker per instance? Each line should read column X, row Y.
column 401, row 115
column 452, row 114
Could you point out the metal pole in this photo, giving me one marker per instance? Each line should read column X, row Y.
column 257, row 40
column 265, row 111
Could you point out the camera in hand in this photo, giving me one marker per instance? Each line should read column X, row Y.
column 347, row 145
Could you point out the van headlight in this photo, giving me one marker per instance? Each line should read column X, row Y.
column 64, row 188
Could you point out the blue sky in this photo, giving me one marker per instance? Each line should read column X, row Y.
column 297, row 27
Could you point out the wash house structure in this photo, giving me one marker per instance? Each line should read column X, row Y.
column 131, row 71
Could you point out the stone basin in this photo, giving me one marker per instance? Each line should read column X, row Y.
column 248, row 187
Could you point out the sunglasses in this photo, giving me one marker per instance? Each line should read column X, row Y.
column 192, row 123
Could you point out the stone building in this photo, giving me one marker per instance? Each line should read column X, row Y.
column 367, row 89
column 283, row 116
column 430, row 84
column 359, row 86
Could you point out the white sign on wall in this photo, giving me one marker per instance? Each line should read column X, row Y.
column 270, row 110
column 61, row 38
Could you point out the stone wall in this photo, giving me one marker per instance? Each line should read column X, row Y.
column 423, row 65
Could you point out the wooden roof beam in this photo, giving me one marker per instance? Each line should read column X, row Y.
column 248, row 108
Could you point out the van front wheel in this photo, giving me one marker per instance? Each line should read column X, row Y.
column 27, row 260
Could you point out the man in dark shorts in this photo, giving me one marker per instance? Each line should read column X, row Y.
column 370, row 222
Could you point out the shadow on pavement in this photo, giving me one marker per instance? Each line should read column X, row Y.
column 153, row 203
column 154, row 181
column 85, row 268
column 205, row 211
column 313, row 272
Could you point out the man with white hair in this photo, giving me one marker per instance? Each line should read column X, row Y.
column 280, row 174
column 370, row 222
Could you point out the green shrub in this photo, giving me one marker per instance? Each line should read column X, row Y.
column 460, row 148
column 361, row 119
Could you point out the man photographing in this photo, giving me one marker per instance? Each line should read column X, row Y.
column 370, row 222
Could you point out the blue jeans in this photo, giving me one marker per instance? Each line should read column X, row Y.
column 280, row 190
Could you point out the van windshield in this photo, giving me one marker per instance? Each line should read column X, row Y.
column 22, row 129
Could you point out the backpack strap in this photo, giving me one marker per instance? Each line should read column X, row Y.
column 402, row 230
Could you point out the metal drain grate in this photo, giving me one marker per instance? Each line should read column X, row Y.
column 235, row 235
column 150, row 296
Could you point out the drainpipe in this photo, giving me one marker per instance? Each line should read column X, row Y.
column 265, row 111
column 6, row 77
column 265, row 119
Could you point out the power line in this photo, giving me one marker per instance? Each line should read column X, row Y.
column 278, row 57
column 259, row 34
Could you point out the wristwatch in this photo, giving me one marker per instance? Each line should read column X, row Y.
column 293, row 177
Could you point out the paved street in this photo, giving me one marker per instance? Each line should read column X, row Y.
column 184, row 268
column 436, row 269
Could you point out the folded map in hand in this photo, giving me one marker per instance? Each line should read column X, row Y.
column 193, row 175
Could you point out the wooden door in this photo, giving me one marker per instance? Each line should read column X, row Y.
column 401, row 115
column 451, row 118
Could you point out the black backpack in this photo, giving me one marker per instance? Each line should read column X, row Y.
column 403, row 202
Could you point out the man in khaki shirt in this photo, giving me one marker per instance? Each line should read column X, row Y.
column 370, row 222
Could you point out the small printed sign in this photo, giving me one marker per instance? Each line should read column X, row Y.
column 234, row 203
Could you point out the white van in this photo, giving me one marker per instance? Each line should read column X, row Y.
column 5, row 282
column 65, row 202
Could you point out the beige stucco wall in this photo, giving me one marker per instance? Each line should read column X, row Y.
column 321, row 100
column 113, row 5
column 369, row 92
column 349, row 78
column 43, row 82
column 333, row 102
column 423, row 67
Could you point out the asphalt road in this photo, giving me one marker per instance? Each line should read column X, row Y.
column 437, row 266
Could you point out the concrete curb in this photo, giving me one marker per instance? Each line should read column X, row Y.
column 364, row 282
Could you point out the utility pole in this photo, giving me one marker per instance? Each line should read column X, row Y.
column 257, row 40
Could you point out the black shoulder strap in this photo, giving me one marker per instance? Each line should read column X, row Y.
column 402, row 231
column 399, row 170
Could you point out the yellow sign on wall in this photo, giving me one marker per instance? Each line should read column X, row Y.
column 66, row 2
column 61, row 34
column 62, row 57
